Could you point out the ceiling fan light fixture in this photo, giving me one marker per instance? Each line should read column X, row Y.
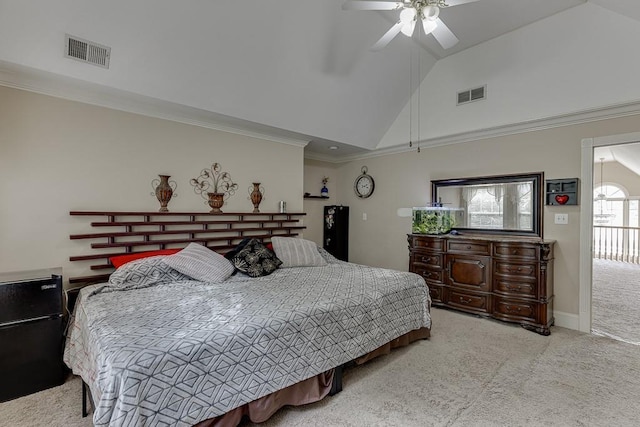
column 408, row 18
column 407, row 15
column 430, row 13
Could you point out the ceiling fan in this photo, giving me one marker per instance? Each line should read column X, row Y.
column 412, row 11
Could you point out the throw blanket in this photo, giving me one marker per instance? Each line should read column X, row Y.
column 182, row 352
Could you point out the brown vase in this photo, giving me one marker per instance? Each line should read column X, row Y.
column 255, row 195
column 164, row 191
column 216, row 200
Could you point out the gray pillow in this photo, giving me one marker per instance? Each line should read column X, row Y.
column 295, row 252
column 200, row 263
column 141, row 273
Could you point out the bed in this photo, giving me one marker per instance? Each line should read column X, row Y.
column 157, row 347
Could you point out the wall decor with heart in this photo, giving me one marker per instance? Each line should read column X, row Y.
column 561, row 192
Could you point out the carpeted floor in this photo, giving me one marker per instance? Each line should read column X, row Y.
column 472, row 372
column 616, row 300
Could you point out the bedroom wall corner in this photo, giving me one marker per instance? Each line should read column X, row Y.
column 58, row 155
column 314, row 172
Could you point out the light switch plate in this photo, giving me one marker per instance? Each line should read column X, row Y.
column 562, row 219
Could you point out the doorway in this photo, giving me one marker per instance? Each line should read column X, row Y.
column 615, row 304
column 610, row 252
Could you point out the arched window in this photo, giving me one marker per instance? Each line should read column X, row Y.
column 609, row 202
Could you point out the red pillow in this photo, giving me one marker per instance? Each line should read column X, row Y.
column 120, row 260
column 269, row 246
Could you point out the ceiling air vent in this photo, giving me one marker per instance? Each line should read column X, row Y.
column 472, row 95
column 87, row 51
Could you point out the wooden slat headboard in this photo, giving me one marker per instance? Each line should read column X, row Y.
column 122, row 233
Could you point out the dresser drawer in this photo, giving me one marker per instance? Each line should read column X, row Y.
column 515, row 250
column 514, row 288
column 467, row 301
column 519, row 270
column 511, row 310
column 430, row 275
column 427, row 242
column 427, row 259
column 469, row 247
column 436, row 292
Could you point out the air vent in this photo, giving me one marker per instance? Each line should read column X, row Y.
column 472, row 95
column 87, row 51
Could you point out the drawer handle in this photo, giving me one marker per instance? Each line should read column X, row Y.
column 464, row 300
column 427, row 274
column 426, row 260
column 513, row 310
column 513, row 288
column 468, row 246
column 515, row 252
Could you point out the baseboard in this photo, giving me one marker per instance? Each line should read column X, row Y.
column 567, row 320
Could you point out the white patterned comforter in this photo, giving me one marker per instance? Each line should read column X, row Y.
column 179, row 353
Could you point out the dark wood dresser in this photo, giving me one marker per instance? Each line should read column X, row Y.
column 507, row 278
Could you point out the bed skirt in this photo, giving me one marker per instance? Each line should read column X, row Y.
column 307, row 391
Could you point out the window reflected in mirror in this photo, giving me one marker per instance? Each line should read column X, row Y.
column 493, row 204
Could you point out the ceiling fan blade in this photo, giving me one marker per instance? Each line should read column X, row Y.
column 371, row 5
column 444, row 35
column 459, row 2
column 388, row 36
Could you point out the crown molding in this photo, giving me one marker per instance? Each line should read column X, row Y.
column 311, row 155
column 51, row 84
column 575, row 118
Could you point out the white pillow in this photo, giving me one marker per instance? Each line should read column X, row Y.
column 295, row 252
column 201, row 263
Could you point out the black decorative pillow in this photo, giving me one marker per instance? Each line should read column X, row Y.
column 255, row 259
column 233, row 252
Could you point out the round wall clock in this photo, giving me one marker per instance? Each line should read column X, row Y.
column 364, row 185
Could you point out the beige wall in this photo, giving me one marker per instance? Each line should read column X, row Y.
column 403, row 180
column 57, row 156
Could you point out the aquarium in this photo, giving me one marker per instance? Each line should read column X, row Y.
column 436, row 219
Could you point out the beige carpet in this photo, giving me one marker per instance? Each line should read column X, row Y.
column 472, row 372
column 616, row 300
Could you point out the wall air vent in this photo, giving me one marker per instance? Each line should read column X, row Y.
column 86, row 51
column 472, row 95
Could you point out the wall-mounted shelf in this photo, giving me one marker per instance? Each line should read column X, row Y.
column 316, row 197
column 561, row 192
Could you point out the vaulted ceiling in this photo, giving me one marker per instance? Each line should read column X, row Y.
column 287, row 68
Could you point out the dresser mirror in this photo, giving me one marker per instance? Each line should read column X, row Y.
column 510, row 204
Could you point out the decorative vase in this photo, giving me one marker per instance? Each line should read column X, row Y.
column 216, row 200
column 255, row 195
column 163, row 190
column 324, row 192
